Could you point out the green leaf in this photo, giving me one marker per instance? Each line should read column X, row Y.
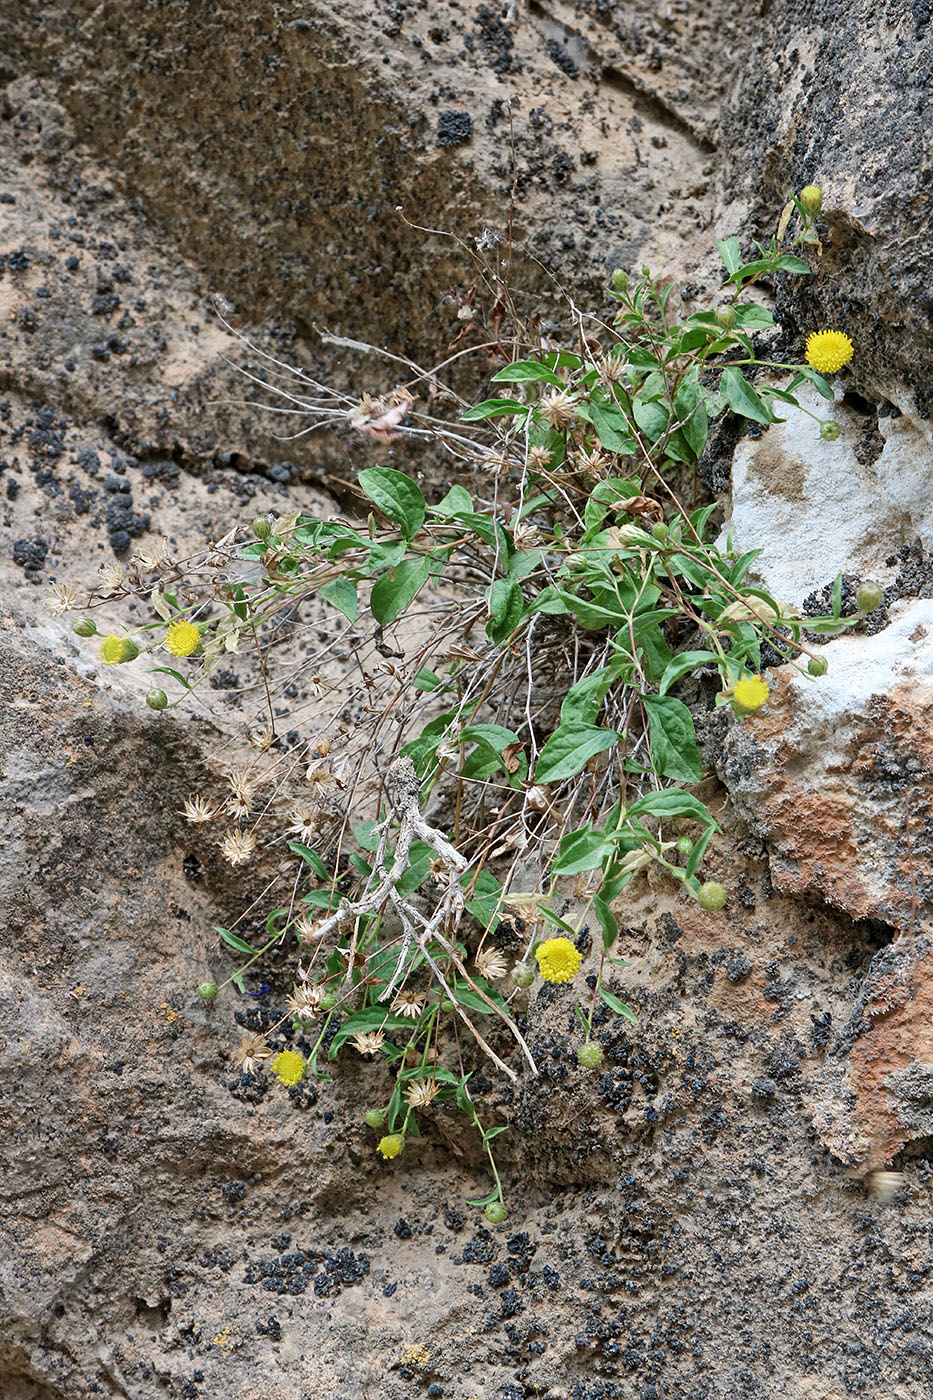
column 742, row 398
column 651, row 416
column 527, row 372
column 470, row 999
column 611, row 426
column 619, row 1007
column 581, row 850
column 569, row 749
column 730, row 252
column 494, row 408
column 506, row 606
column 485, row 899
column 787, row 262
column 670, row 804
column 396, row 495
column 698, row 852
column 310, row 858
column 167, row 671
column 583, row 701
column 674, row 749
column 392, row 595
column 690, row 410
column 682, row 663
column 341, row 593
column 234, row 940
column 607, row 920
column 457, row 499
column 427, row 679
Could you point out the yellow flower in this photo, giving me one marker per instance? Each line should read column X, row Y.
column 390, row 1146
column 115, row 649
column 558, row 960
column 749, row 694
column 828, row 351
column 289, row 1067
column 183, row 638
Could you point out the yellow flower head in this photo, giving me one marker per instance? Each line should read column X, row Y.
column 289, row 1067
column 390, row 1146
column 183, row 638
column 558, row 960
column 828, row 351
column 749, row 694
column 114, row 649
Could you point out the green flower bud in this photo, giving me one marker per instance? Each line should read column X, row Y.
column 375, row 1118
column 830, row 430
column 84, row 627
column 590, row 1055
column 156, row 699
column 328, row 1001
column 869, row 597
column 811, row 200
column 712, row 895
column 447, row 1004
column 685, row 845
column 261, row 528
column 660, row 531
column 496, row 1213
column 725, row 317
column 619, row 280
column 817, row 665
column 207, row 990
column 523, row 975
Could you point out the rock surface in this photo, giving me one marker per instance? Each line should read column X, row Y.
column 690, row 1222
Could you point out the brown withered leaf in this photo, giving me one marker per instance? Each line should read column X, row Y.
column 511, row 755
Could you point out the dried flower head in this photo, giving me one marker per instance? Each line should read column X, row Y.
column 112, row 577
column 490, row 963
column 594, row 462
column 242, row 787
column 319, row 776
column 62, row 599
column 558, row 409
column 749, row 694
column 828, row 351
column 183, row 637
column 558, row 960
column 539, row 457
column 261, row 739
column 526, row 536
column 155, row 554
column 252, row 1052
column 612, row 369
column 197, row 809
column 289, row 1067
column 307, row 929
column 368, row 1042
column 237, row 846
column 496, row 464
column 407, row 1004
column 303, row 823
column 421, row 1092
column 305, row 1000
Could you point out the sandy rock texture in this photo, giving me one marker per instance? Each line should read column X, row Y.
column 697, row 1219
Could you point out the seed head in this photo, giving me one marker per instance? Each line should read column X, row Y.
column 197, row 809
column 153, row 556
column 558, row 409
column 261, row 739
column 237, row 846
column 368, row 1043
column 303, row 823
column 252, row 1053
column 305, row 1001
column 111, row 577
column 539, row 457
column 406, row 1004
column 421, row 1092
column 62, row 599
column 491, row 964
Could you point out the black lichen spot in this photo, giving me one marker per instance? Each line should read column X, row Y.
column 453, row 128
